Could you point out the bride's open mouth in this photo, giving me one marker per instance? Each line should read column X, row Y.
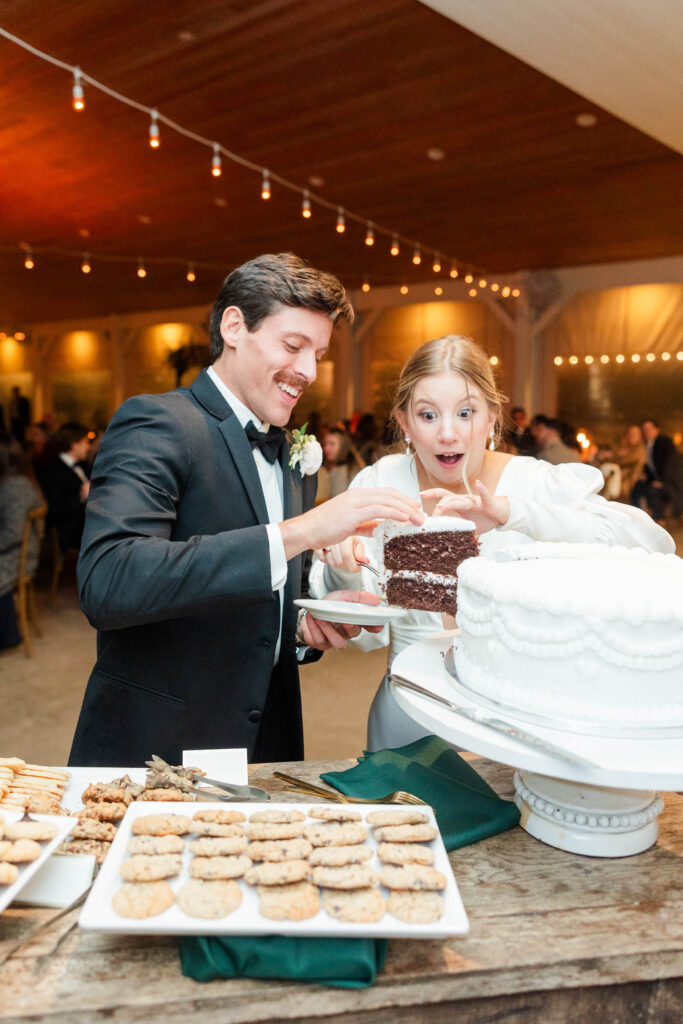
column 450, row 459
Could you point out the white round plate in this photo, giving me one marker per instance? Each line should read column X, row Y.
column 352, row 612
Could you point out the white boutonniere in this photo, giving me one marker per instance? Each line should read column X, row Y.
column 305, row 452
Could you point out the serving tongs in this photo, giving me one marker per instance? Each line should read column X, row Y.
column 228, row 790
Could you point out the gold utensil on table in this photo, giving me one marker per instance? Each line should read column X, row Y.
column 399, row 796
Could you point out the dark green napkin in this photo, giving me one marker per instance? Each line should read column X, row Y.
column 466, row 807
column 345, row 963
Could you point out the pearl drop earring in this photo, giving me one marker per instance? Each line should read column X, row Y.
column 492, row 443
column 407, row 440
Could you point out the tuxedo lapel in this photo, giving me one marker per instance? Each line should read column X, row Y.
column 292, row 506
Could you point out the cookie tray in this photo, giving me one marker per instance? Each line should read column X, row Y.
column 99, row 915
column 29, row 869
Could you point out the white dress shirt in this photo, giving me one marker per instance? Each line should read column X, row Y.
column 69, row 461
column 270, row 475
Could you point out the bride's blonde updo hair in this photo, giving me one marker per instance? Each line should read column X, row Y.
column 453, row 353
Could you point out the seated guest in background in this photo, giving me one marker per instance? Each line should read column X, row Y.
column 450, row 414
column 42, row 450
column 631, row 456
column 662, row 477
column 550, row 446
column 18, row 494
column 340, row 464
column 197, row 534
column 67, row 486
column 369, row 447
column 19, row 415
column 520, row 436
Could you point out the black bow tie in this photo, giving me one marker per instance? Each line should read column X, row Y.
column 270, row 443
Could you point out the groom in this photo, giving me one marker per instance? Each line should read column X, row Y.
column 197, row 533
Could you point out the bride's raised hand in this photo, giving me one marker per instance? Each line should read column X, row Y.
column 482, row 508
column 346, row 555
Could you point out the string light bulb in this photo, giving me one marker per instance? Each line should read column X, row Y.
column 417, row 256
column 588, row 360
column 558, row 360
column 154, row 136
column 265, row 184
column 515, row 293
column 505, row 292
column 635, row 358
column 190, row 275
column 77, row 97
column 216, row 162
column 29, row 262
column 666, row 356
column 472, row 292
column 468, row 279
column 495, row 286
column 403, row 289
column 620, row 358
column 453, row 272
column 483, row 282
column 306, row 205
column 650, row 357
column 395, row 247
column 438, row 290
column 604, row 359
column 679, row 355
column 19, row 336
column 365, row 287
column 341, row 222
column 494, row 360
column 436, row 265
column 370, row 234
column 141, row 268
column 85, row 263
column 573, row 360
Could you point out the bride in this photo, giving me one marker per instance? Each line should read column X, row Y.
column 450, row 413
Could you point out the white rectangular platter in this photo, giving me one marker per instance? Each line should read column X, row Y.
column 98, row 914
column 28, row 870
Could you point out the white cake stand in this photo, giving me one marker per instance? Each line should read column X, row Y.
column 608, row 808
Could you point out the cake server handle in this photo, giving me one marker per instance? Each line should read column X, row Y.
column 499, row 724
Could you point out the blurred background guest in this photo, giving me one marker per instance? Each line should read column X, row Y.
column 340, row 465
column 67, row 484
column 18, row 494
column 631, row 456
column 662, row 478
column 41, row 450
column 520, row 436
column 19, row 415
column 547, row 434
column 369, row 447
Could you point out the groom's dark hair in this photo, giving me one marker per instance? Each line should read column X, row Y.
column 262, row 285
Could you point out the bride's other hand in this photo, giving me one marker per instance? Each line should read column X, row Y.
column 482, row 508
column 346, row 555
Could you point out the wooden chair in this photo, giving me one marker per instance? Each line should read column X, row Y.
column 34, row 526
column 58, row 559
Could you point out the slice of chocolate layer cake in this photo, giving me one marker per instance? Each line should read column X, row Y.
column 421, row 562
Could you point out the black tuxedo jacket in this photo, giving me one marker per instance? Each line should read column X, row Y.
column 65, row 510
column 175, row 574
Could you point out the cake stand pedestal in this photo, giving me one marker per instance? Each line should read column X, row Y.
column 605, row 808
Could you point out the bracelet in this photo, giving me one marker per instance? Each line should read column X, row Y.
column 298, row 635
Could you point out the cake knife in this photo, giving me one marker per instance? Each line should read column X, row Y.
column 499, row 724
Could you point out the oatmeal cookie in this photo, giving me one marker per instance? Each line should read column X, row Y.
column 166, row 795
column 396, row 818
column 218, row 846
column 38, row 830
column 21, row 851
column 219, row 867
column 274, row 816
column 98, row 791
column 142, row 899
column 405, row 834
column 200, row 898
column 338, row 856
column 8, row 874
column 278, row 873
column 161, row 825
column 104, row 811
column 98, row 848
column 218, row 816
column 154, row 845
column 275, row 850
column 216, row 828
column 415, row 907
column 360, row 906
column 335, row 814
column 414, row 877
column 142, row 867
column 268, row 830
column 90, row 828
column 335, row 833
column 294, row 902
column 405, row 853
column 350, row 876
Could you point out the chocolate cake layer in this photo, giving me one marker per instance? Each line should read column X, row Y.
column 421, row 590
column 430, row 551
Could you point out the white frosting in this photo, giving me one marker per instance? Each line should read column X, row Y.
column 424, row 577
column 583, row 632
column 387, row 529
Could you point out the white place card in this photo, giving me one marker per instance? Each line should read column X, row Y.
column 226, row 765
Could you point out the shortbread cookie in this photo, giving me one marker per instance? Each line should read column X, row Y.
column 405, row 834
column 276, row 850
column 166, row 796
column 45, row 803
column 269, row 830
column 279, row 873
column 152, row 846
column 97, row 848
column 350, row 876
column 145, row 868
column 295, row 902
column 216, row 828
column 405, row 853
column 200, row 898
column 98, row 791
column 15, row 763
column 90, row 828
column 337, row 856
column 335, row 814
column 218, row 846
column 219, row 867
column 360, row 906
column 415, row 907
column 161, row 825
column 8, row 873
column 414, row 877
column 142, row 899
column 335, row 833
column 104, row 811
column 276, row 816
column 38, row 830
column 396, row 818
column 220, row 817
column 21, row 851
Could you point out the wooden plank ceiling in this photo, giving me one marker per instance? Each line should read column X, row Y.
column 345, row 93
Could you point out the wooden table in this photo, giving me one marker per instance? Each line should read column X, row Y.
column 554, row 937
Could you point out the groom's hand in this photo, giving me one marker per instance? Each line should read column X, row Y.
column 322, row 635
